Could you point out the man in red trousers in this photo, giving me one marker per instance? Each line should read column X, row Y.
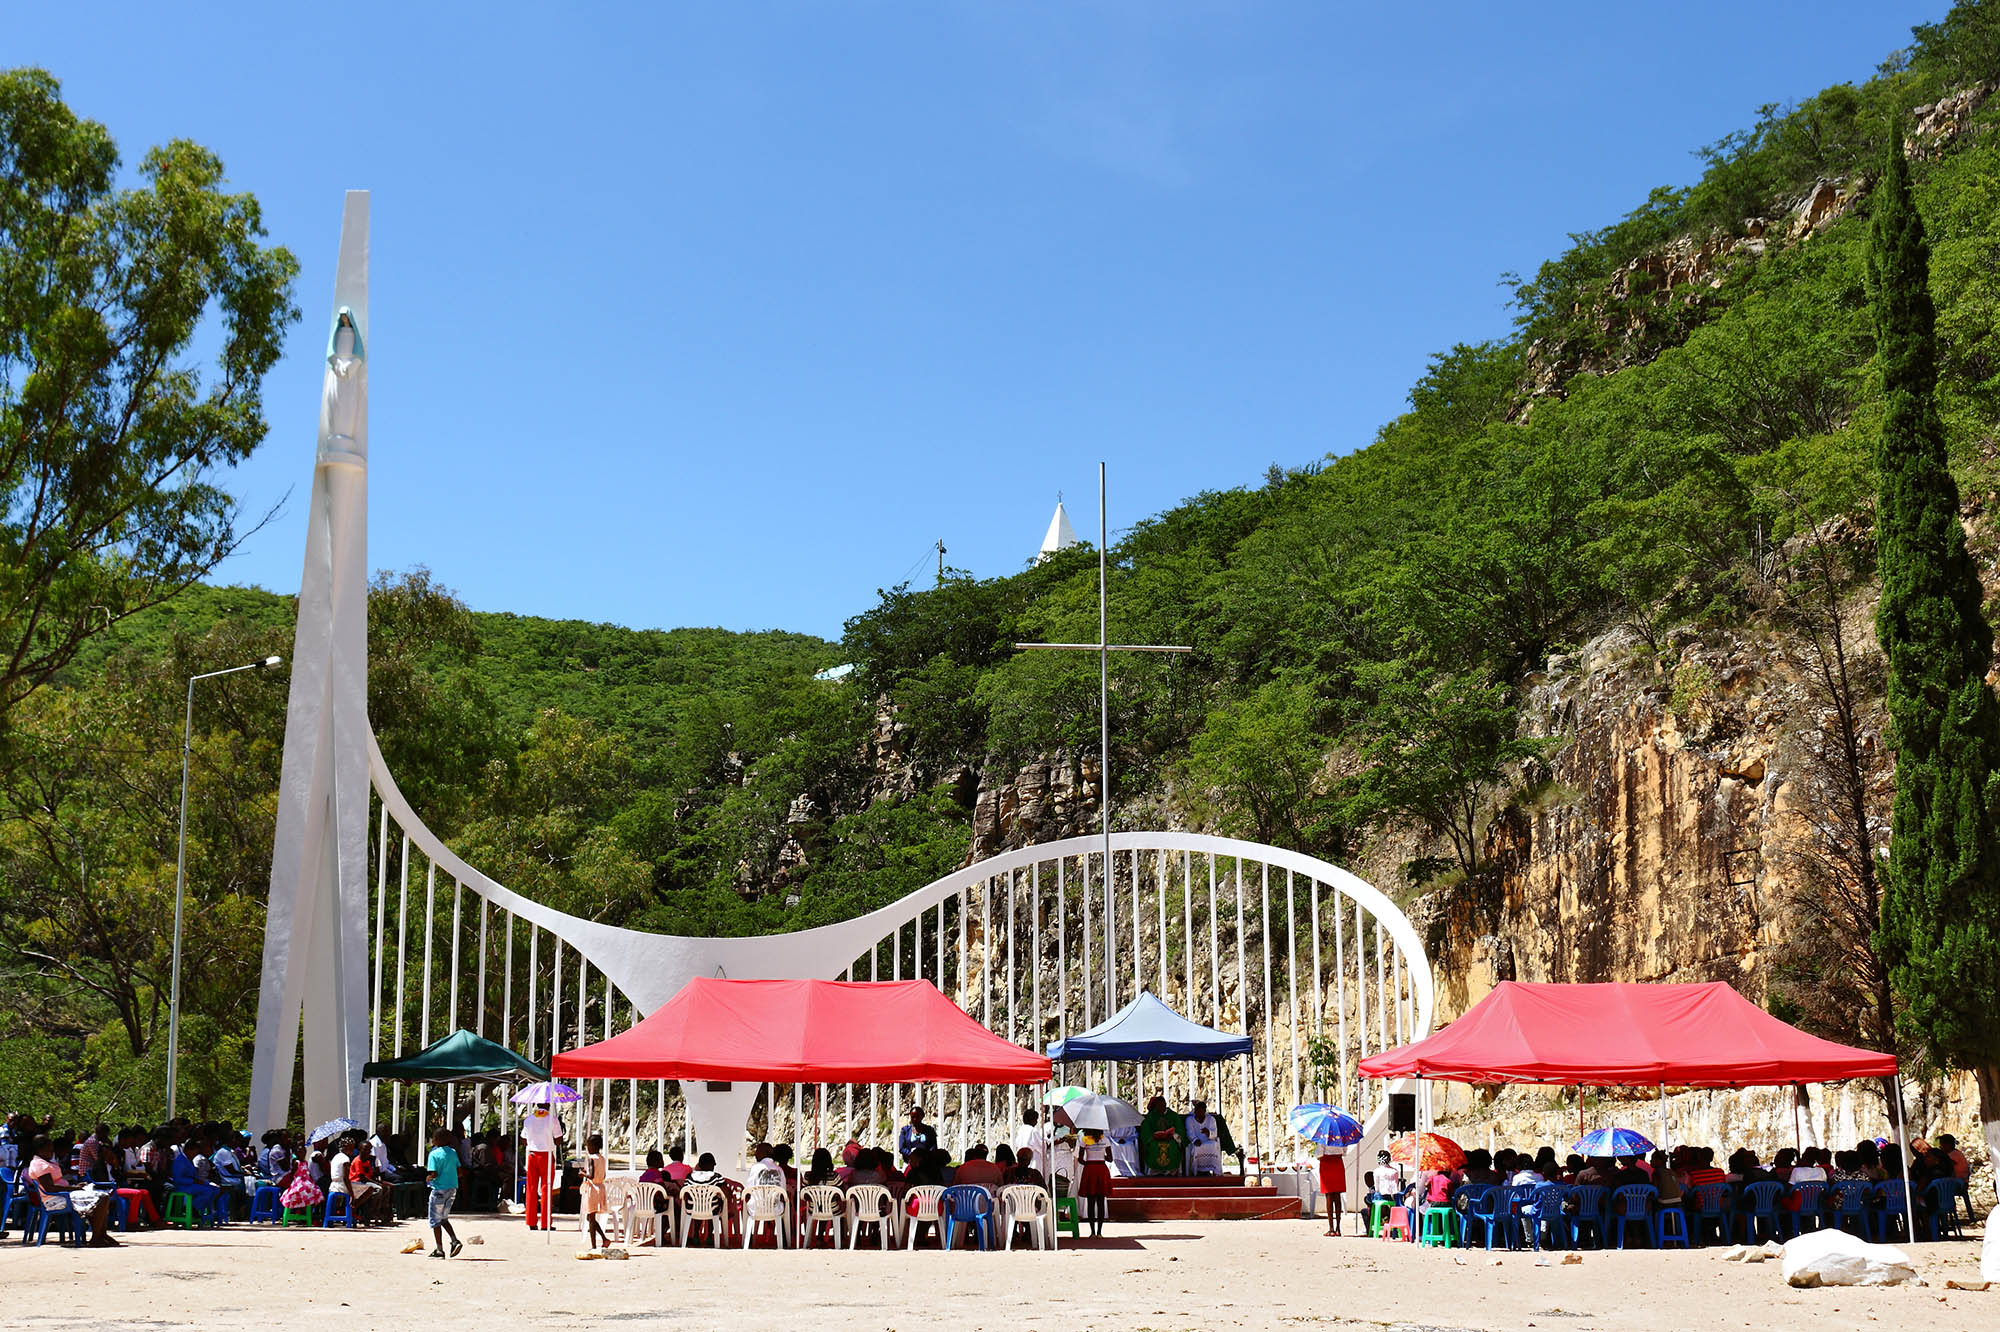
column 541, row 1129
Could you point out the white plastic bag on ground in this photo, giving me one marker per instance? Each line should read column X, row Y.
column 1989, row 1255
column 1836, row 1258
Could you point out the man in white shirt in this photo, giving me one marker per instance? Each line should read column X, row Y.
column 541, row 1129
column 1029, row 1137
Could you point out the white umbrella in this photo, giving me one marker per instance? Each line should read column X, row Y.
column 1091, row 1110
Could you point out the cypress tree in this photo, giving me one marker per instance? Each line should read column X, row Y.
column 1940, row 927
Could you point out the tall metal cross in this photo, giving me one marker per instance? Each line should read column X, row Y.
column 1104, row 647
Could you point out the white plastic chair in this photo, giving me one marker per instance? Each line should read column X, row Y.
column 644, row 1217
column 821, row 1205
column 870, row 1204
column 770, row 1205
column 920, row 1206
column 704, row 1203
column 617, row 1209
column 1026, row 1205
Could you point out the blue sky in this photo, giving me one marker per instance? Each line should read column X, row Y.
column 723, row 313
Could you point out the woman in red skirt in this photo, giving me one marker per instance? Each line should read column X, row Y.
column 1333, row 1183
column 1094, row 1185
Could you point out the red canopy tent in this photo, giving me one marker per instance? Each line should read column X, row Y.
column 1625, row 1036
column 1616, row 1035
column 808, row 1031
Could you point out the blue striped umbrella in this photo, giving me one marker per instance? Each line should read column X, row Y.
column 1327, row 1125
column 547, row 1093
column 1613, row 1142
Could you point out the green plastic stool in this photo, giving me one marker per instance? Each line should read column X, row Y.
column 1378, row 1210
column 296, row 1216
column 1435, row 1228
column 180, row 1211
column 1066, row 1217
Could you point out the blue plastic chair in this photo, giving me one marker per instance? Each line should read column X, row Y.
column 264, row 1204
column 1544, row 1216
column 1850, row 1205
column 1711, row 1213
column 57, row 1208
column 1632, row 1205
column 1677, row 1235
column 1589, row 1212
column 1482, row 1207
column 1518, row 1199
column 1760, row 1217
column 1944, row 1215
column 1892, row 1206
column 14, row 1190
column 343, row 1213
column 963, row 1205
column 1810, row 1215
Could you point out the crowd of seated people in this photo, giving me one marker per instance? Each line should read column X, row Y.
column 1688, row 1178
column 772, row 1166
column 128, row 1177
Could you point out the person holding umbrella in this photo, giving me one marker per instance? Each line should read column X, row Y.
column 1334, row 1130
column 541, row 1129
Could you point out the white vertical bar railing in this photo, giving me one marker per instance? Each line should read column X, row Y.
column 1264, row 1137
column 1366, row 1087
column 1319, row 982
column 424, row 1033
column 1243, row 1007
column 1062, row 950
column 604, row 1122
column 986, row 989
column 1340, row 1003
column 381, row 921
column 1035, row 1041
column 1013, row 992
column 402, row 981
column 1292, row 976
column 479, row 1014
column 1381, row 990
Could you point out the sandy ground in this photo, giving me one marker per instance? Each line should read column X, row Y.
column 1159, row 1278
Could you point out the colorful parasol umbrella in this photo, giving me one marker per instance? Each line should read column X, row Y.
column 1427, row 1151
column 1613, row 1142
column 547, row 1093
column 333, row 1128
column 1327, row 1125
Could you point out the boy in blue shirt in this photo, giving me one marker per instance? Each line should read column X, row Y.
column 441, row 1169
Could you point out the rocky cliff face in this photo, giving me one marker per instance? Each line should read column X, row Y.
column 1655, row 845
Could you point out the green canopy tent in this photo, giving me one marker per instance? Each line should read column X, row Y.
column 462, row 1056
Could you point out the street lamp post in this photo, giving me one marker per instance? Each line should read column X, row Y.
column 180, row 871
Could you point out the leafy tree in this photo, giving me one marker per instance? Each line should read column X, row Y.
column 110, row 435
column 1941, row 910
column 1435, row 743
column 1259, row 769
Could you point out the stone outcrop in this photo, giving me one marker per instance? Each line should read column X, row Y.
column 1045, row 800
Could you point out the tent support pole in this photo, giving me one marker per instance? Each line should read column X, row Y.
column 1663, row 1117
column 1903, row 1159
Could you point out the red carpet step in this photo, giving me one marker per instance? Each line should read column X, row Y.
column 1197, row 1198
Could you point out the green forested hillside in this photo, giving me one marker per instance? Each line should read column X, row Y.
column 1688, row 391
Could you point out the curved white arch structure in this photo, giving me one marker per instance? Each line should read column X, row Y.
column 1305, row 957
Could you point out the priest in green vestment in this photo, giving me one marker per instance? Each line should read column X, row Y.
column 1162, row 1139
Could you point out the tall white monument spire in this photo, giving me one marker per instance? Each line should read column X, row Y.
column 316, row 937
column 1061, row 535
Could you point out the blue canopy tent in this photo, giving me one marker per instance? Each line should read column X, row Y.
column 1147, row 1029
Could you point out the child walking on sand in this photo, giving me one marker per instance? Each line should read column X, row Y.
column 441, row 1169
column 593, row 1190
